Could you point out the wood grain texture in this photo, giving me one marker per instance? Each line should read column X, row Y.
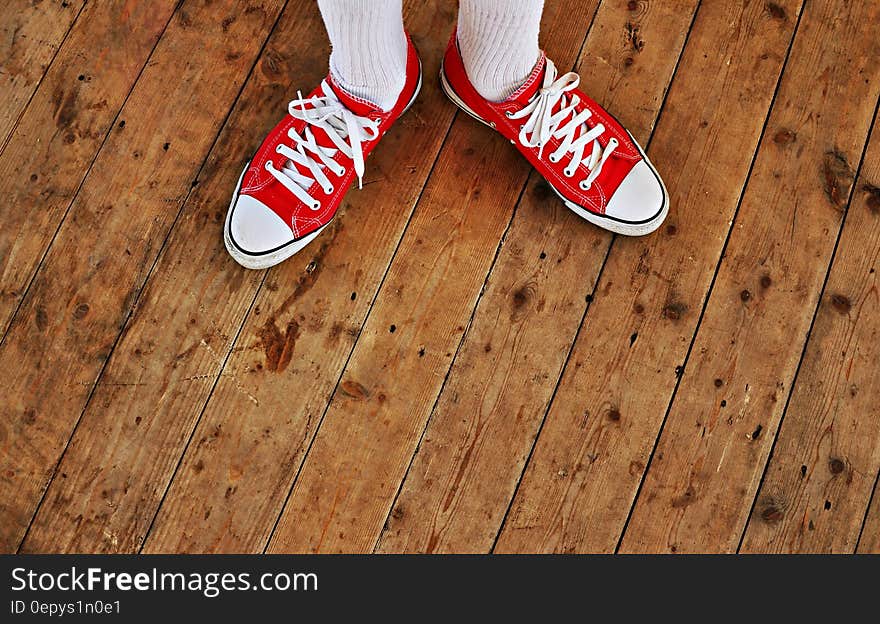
column 116, row 468
column 57, row 137
column 766, row 291
column 479, row 436
column 30, row 35
column 257, row 425
column 816, row 489
column 459, row 363
column 374, row 421
column 593, row 448
column 86, row 287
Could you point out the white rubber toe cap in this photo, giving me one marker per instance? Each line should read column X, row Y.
column 255, row 228
column 639, row 198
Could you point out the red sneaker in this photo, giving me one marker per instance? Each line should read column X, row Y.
column 294, row 184
column 586, row 156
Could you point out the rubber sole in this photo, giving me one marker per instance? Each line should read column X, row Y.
column 602, row 221
column 272, row 258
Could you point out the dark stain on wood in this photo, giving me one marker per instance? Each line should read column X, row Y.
column 520, row 301
column 674, row 310
column 336, row 331
column 41, row 318
column 841, row 303
column 688, row 498
column 227, row 22
column 633, row 37
column 542, row 191
column 836, row 466
column 873, row 200
column 771, row 514
column 756, row 433
column 278, row 346
column 65, row 107
column 837, row 177
column 784, row 137
column 776, row 11
column 354, row 390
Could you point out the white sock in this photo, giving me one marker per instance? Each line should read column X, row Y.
column 369, row 48
column 499, row 43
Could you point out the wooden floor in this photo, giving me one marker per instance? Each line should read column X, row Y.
column 458, row 363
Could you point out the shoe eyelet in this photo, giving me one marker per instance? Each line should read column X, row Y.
column 553, row 158
column 315, row 206
column 329, row 190
column 584, row 186
column 568, row 172
column 269, row 165
column 508, row 114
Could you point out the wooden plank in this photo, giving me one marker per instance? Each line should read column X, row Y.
column 30, row 35
column 472, row 454
column 869, row 542
column 595, row 442
column 68, row 119
column 826, row 458
column 116, row 469
column 71, row 317
column 369, row 434
column 242, row 478
column 232, row 482
column 699, row 488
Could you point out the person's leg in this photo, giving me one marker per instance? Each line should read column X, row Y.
column 295, row 182
column 499, row 43
column 369, row 48
column 495, row 72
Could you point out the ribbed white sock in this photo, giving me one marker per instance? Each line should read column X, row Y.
column 499, row 43
column 369, row 52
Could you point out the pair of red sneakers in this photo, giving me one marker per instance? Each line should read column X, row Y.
column 293, row 186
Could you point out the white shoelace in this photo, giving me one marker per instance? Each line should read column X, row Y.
column 543, row 124
column 347, row 131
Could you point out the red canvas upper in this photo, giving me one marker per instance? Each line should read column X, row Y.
column 615, row 169
column 264, row 187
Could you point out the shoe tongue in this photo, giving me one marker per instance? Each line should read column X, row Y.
column 358, row 106
column 528, row 89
